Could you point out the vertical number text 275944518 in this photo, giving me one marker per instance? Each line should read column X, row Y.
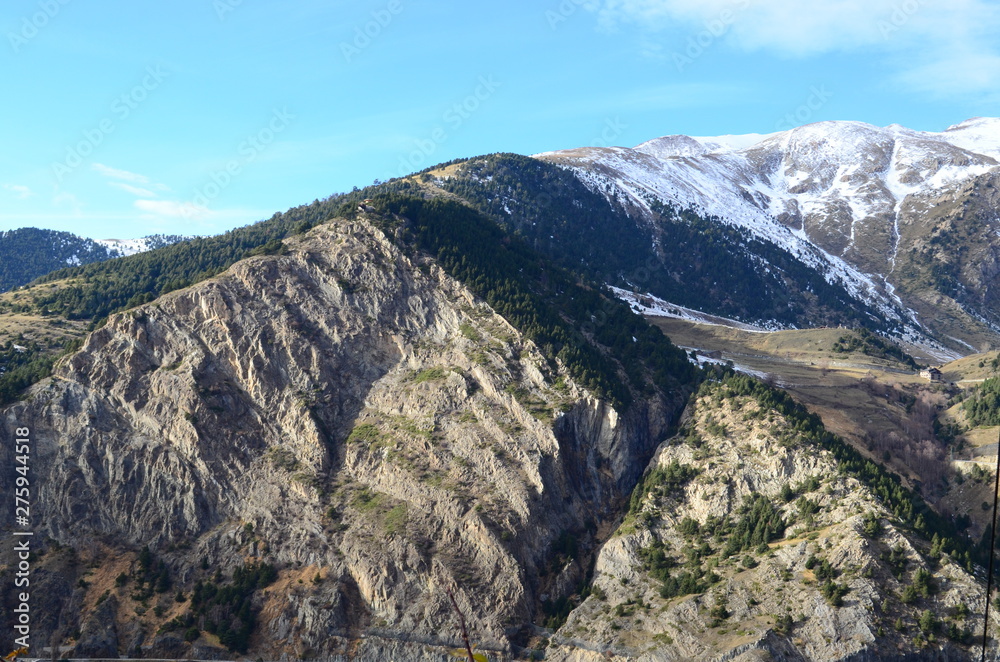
column 22, row 531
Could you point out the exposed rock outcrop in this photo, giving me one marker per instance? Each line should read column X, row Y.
column 350, row 414
column 99, row 637
column 688, row 576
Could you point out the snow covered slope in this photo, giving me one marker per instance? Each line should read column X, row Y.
column 979, row 134
column 842, row 196
column 126, row 247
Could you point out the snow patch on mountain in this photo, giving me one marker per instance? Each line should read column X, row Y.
column 652, row 306
column 706, row 188
column 979, row 134
column 683, row 146
column 125, row 247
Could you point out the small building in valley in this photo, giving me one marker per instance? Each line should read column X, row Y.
column 932, row 375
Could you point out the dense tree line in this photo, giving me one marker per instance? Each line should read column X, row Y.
column 864, row 341
column 982, row 406
column 23, row 365
column 28, row 253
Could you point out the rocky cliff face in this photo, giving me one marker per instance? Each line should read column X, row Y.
column 745, row 542
column 351, row 415
column 949, row 255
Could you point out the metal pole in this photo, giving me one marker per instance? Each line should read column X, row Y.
column 993, row 543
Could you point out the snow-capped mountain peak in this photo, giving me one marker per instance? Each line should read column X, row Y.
column 979, row 134
column 847, row 197
column 683, row 146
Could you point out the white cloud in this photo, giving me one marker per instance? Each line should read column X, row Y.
column 65, row 199
column 784, row 26
column 174, row 217
column 134, row 190
column 174, row 209
column 125, row 175
column 122, row 176
column 955, row 74
column 18, row 190
column 932, row 45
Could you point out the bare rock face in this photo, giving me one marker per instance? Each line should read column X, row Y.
column 99, row 638
column 689, row 576
column 54, row 591
column 349, row 414
column 948, row 255
column 352, row 415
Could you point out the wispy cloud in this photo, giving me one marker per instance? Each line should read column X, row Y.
column 20, row 191
column 134, row 190
column 66, row 200
column 930, row 46
column 124, row 175
column 120, row 177
column 956, row 73
column 153, row 208
column 174, row 209
column 194, row 219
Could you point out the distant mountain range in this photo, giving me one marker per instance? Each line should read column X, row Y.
column 27, row 253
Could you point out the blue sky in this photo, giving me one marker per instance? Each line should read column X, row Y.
column 197, row 116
